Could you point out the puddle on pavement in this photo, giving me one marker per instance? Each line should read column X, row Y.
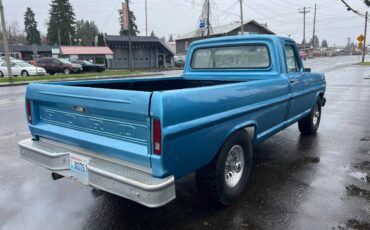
column 311, row 159
column 361, row 176
column 364, row 165
column 356, row 224
column 353, row 190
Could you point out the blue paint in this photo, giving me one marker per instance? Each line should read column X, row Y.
column 195, row 121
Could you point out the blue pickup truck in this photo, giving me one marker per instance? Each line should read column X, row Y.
column 135, row 137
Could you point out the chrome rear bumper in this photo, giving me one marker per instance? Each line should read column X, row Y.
column 118, row 177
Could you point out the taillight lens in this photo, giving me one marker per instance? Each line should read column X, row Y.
column 29, row 113
column 157, row 137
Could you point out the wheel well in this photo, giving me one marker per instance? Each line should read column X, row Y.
column 250, row 129
column 321, row 95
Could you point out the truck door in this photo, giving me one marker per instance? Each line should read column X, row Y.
column 300, row 100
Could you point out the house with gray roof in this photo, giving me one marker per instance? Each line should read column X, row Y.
column 148, row 52
column 250, row 27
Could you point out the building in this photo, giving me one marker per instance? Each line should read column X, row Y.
column 250, row 27
column 148, row 52
column 28, row 52
column 98, row 54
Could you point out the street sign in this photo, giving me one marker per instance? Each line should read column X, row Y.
column 360, row 45
column 202, row 24
column 361, row 38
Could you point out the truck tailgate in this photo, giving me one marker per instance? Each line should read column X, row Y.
column 111, row 122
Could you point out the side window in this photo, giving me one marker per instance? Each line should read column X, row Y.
column 55, row 62
column 291, row 59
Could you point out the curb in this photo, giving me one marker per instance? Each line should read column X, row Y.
column 76, row 79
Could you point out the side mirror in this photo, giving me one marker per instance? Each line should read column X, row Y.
column 307, row 70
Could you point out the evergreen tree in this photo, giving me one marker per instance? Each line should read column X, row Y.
column 86, row 31
column 324, row 44
column 132, row 21
column 367, row 2
column 101, row 40
column 61, row 22
column 170, row 38
column 30, row 27
column 152, row 34
column 163, row 38
column 315, row 43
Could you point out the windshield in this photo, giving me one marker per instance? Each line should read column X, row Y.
column 65, row 61
column 86, row 63
column 24, row 64
column 231, row 57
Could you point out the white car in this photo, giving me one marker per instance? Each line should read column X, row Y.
column 21, row 68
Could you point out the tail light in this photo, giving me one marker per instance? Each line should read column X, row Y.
column 157, row 137
column 29, row 113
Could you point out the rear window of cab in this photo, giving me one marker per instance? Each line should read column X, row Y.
column 254, row 56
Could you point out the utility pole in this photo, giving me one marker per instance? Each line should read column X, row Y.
column 146, row 18
column 304, row 12
column 131, row 61
column 364, row 46
column 314, row 27
column 208, row 23
column 5, row 39
column 59, row 36
column 241, row 17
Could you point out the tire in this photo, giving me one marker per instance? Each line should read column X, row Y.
column 1, row 74
column 24, row 73
column 67, row 71
column 52, row 73
column 215, row 182
column 310, row 124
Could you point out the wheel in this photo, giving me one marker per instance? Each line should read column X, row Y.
column 67, row 71
column 224, row 180
column 310, row 124
column 51, row 73
column 1, row 74
column 24, row 73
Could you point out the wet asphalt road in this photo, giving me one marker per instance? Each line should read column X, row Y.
column 317, row 182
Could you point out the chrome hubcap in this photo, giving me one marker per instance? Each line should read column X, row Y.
column 234, row 166
column 316, row 115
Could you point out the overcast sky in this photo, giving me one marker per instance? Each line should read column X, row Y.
column 165, row 17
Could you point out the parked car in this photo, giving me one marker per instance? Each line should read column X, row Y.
column 21, row 68
column 56, row 65
column 135, row 137
column 89, row 67
column 179, row 60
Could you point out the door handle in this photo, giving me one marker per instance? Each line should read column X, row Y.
column 292, row 81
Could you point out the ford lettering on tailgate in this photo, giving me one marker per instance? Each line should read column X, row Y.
column 93, row 124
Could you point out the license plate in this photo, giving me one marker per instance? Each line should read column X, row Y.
column 78, row 164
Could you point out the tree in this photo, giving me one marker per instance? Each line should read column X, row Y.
column 324, row 44
column 133, row 27
column 86, row 31
column 152, row 34
column 30, row 27
column 315, row 43
column 163, row 38
column 101, row 40
column 61, row 22
column 367, row 2
column 170, row 38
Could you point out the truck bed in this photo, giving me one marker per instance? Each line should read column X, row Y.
column 154, row 84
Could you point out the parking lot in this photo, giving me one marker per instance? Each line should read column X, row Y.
column 298, row 182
